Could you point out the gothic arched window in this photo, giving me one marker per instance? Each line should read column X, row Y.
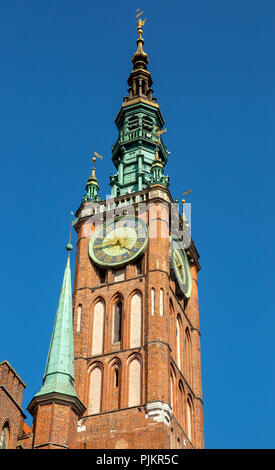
column 181, row 404
column 98, row 328
column 79, row 314
column 4, row 437
column 188, row 355
column 117, row 322
column 136, row 320
column 189, row 418
column 178, row 339
column 173, row 401
column 115, row 387
column 152, row 301
column 134, row 382
column 161, row 298
column 95, row 391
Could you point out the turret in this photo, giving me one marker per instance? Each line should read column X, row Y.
column 56, row 408
column 137, row 121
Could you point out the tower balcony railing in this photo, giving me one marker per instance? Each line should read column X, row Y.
column 130, row 137
column 136, row 134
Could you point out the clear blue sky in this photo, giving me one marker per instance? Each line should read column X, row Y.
column 64, row 66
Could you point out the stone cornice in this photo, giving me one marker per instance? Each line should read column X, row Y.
column 59, row 398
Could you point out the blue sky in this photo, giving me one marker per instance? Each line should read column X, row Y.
column 64, row 67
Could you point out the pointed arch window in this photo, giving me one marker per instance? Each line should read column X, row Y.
column 152, row 301
column 161, row 296
column 98, row 328
column 136, row 320
column 134, row 383
column 172, row 390
column 189, row 418
column 4, row 437
column 178, row 339
column 116, row 377
column 188, row 354
column 181, row 404
column 117, row 330
column 95, row 390
column 115, row 387
column 79, row 314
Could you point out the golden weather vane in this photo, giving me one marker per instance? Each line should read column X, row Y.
column 139, row 13
column 96, row 155
column 158, row 132
column 161, row 132
column 140, row 22
column 185, row 194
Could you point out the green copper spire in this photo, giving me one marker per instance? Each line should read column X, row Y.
column 59, row 373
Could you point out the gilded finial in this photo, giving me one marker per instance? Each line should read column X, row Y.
column 92, row 185
column 157, row 160
column 93, row 167
column 95, row 156
column 140, row 24
column 140, row 40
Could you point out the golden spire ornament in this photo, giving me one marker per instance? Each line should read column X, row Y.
column 92, row 186
column 95, row 156
column 140, row 22
column 140, row 41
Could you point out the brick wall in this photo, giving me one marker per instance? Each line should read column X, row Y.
column 11, row 394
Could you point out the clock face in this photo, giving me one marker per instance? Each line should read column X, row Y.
column 118, row 242
column 180, row 268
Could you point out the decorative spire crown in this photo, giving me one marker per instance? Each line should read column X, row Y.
column 140, row 80
column 140, row 58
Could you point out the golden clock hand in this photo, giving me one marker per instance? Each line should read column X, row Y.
column 110, row 245
column 126, row 248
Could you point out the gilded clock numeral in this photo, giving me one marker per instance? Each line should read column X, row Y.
column 97, row 247
column 100, row 255
column 139, row 244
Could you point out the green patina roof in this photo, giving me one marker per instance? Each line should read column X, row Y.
column 59, row 372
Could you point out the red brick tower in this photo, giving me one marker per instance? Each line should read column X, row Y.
column 135, row 297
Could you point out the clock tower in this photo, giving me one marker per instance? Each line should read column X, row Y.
column 135, row 298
